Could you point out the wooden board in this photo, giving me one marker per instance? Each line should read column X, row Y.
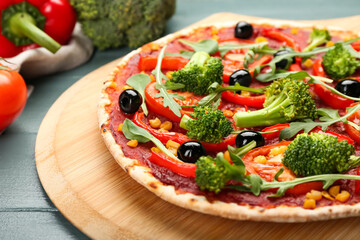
column 98, row 197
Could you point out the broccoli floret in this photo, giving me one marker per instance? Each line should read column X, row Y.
column 208, row 125
column 213, row 173
column 199, row 73
column 123, row 22
column 285, row 100
column 316, row 153
column 339, row 63
column 317, row 37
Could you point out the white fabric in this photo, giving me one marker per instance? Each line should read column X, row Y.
column 37, row 62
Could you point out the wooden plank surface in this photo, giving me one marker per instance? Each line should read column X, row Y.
column 97, row 196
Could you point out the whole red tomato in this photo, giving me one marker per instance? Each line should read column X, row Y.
column 12, row 97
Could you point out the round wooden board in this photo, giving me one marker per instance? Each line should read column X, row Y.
column 98, row 197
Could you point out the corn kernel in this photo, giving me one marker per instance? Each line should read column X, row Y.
column 227, row 156
column 260, row 159
column 316, row 195
column 347, row 38
column 120, row 127
column 169, row 74
column 112, row 85
column 245, row 93
column 167, row 125
column 125, row 87
column 228, row 113
column 330, row 44
column 173, row 151
column 277, row 150
column 215, row 37
column 155, row 123
column 235, row 57
column 343, row 196
column 260, row 39
column 294, row 31
column 172, row 144
column 308, row 63
column 327, row 195
column 153, row 79
column 214, row 31
column 156, row 149
column 309, row 204
column 132, row 143
column 154, row 46
column 334, row 190
column 163, row 130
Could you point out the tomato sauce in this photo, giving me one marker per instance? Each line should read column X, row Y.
column 186, row 184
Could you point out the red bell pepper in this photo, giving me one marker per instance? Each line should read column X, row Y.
column 148, row 63
column 330, row 98
column 357, row 183
column 181, row 138
column 355, row 118
column 251, row 101
column 48, row 23
column 282, row 37
column 181, row 168
column 277, row 127
column 295, row 67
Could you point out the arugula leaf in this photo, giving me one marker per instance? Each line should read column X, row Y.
column 209, row 46
column 139, row 82
column 168, row 98
column 237, row 153
column 217, row 89
column 184, row 54
column 259, row 52
column 173, row 86
column 227, row 47
column 289, row 56
column 308, row 124
column 134, row 132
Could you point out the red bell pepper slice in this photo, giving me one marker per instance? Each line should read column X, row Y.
column 330, row 98
column 181, row 168
column 251, row 101
column 318, row 69
column 282, row 37
column 156, row 104
column 148, row 63
column 357, row 183
column 339, row 136
column 295, row 67
column 355, row 118
column 277, row 127
column 181, row 138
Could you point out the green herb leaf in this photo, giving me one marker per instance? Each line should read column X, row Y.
column 134, row 132
column 168, row 100
column 254, row 46
column 209, row 46
column 308, row 125
column 173, row 86
column 139, row 82
column 184, row 54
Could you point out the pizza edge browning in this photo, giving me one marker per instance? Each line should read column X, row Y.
column 142, row 174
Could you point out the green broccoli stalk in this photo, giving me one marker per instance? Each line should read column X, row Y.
column 199, row 73
column 317, row 153
column 208, row 125
column 339, row 63
column 285, row 100
column 214, row 174
column 115, row 23
column 317, row 37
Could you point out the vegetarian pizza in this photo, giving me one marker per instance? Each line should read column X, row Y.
column 250, row 121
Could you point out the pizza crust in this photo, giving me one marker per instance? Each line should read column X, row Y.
column 199, row 203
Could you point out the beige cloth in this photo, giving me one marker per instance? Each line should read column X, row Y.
column 38, row 62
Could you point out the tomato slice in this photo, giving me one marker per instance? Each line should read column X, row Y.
column 156, row 104
column 268, row 170
column 148, row 63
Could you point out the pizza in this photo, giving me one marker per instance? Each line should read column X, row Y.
column 249, row 121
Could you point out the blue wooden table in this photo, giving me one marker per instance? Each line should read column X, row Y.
column 25, row 210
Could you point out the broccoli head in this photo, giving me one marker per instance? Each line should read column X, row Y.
column 339, row 63
column 317, row 37
column 212, row 174
column 199, row 73
column 123, row 22
column 317, row 153
column 285, row 100
column 208, row 125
